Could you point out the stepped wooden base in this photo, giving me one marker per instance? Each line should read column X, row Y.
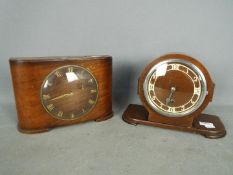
column 209, row 126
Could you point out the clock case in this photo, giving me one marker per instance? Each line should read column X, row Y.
column 28, row 75
column 144, row 114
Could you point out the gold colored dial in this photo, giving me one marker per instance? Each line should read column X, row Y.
column 69, row 92
column 174, row 88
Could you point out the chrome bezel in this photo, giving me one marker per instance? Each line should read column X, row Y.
column 204, row 91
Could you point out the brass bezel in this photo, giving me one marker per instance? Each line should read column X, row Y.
column 83, row 114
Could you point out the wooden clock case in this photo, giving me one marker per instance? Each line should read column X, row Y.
column 144, row 114
column 28, row 75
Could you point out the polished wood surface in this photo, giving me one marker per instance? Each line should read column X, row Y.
column 28, row 74
column 207, row 125
column 137, row 114
column 182, row 121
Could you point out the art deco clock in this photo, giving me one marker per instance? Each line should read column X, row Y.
column 57, row 91
column 174, row 89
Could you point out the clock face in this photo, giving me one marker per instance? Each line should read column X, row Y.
column 69, row 92
column 175, row 88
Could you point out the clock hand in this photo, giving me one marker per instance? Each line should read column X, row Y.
column 169, row 98
column 62, row 96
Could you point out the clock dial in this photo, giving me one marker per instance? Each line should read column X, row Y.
column 69, row 92
column 175, row 88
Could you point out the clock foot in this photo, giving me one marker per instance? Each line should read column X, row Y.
column 207, row 125
column 104, row 118
column 32, row 131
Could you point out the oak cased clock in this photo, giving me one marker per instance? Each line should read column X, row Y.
column 57, row 91
column 174, row 90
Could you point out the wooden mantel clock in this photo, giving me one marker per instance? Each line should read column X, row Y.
column 174, row 89
column 58, row 91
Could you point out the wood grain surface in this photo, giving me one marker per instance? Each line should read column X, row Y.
column 28, row 74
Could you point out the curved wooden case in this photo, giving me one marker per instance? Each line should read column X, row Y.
column 28, row 75
column 144, row 114
column 181, row 121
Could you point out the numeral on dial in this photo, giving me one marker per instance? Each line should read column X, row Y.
column 46, row 97
column 91, row 101
column 93, row 91
column 175, row 67
column 171, row 109
column 58, row 74
column 60, row 114
column 70, row 69
column 197, row 91
column 192, row 102
column 195, row 79
column 50, row 107
column 90, row 80
column 72, row 115
column 151, row 87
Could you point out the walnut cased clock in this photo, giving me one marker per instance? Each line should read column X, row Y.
column 174, row 90
column 57, row 91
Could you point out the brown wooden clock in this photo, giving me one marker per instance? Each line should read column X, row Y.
column 174, row 89
column 57, row 91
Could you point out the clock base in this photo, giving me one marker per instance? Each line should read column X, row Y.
column 104, row 118
column 209, row 126
column 34, row 131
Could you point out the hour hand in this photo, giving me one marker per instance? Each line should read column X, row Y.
column 62, row 96
column 169, row 99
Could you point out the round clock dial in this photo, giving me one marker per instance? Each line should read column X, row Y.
column 175, row 87
column 69, row 92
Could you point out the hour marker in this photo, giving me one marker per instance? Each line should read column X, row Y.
column 153, row 76
column 171, row 109
column 50, row 107
column 60, row 114
column 182, row 107
column 90, row 80
column 93, row 91
column 72, row 115
column 175, row 66
column 46, row 96
column 70, row 69
column 192, row 102
column 197, row 91
column 151, row 87
column 91, row 101
column 195, row 78
column 58, row 74
column 153, row 97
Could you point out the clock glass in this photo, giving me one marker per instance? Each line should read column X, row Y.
column 175, row 87
column 69, row 92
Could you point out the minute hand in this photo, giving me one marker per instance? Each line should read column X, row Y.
column 62, row 96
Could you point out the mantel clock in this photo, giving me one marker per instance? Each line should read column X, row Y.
column 174, row 89
column 57, row 91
